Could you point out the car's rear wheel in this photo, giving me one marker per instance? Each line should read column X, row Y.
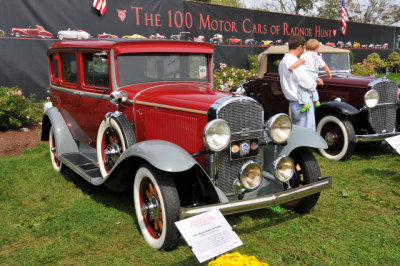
column 114, row 136
column 17, row 34
column 157, row 205
column 307, row 171
column 57, row 165
column 339, row 135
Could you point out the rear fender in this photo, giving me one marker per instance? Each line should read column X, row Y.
column 64, row 140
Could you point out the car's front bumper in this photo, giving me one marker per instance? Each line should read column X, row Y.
column 375, row 137
column 261, row 202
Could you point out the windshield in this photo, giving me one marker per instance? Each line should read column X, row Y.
column 336, row 61
column 141, row 68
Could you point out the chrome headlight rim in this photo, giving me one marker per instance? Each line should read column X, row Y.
column 208, row 129
column 371, row 98
column 242, row 176
column 273, row 126
column 283, row 162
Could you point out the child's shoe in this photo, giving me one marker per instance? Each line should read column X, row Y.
column 305, row 108
column 317, row 103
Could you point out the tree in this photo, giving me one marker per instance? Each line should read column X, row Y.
column 284, row 6
column 385, row 12
column 232, row 3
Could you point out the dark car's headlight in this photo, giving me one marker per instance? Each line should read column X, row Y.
column 217, row 135
column 279, row 128
column 371, row 98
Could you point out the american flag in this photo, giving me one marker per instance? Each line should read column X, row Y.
column 100, row 5
column 344, row 18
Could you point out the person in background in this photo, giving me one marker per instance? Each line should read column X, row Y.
column 312, row 62
column 290, row 82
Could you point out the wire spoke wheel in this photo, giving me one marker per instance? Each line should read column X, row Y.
column 115, row 135
column 157, row 205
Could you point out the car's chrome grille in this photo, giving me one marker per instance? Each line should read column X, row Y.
column 383, row 117
column 241, row 115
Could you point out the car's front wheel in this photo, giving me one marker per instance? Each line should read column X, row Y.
column 339, row 135
column 60, row 37
column 115, row 135
column 307, row 171
column 57, row 165
column 156, row 204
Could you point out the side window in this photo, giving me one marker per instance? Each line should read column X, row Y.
column 273, row 62
column 69, row 71
column 96, row 70
column 54, row 68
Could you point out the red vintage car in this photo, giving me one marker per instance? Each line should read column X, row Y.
column 234, row 41
column 142, row 115
column 38, row 31
column 106, row 35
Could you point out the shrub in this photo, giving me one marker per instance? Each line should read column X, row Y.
column 230, row 77
column 375, row 60
column 16, row 110
column 393, row 61
column 363, row 69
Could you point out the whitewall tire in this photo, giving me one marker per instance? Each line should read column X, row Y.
column 157, row 205
column 57, row 165
column 339, row 135
column 114, row 136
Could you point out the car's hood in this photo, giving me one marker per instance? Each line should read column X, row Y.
column 349, row 80
column 188, row 95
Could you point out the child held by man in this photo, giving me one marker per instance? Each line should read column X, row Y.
column 312, row 63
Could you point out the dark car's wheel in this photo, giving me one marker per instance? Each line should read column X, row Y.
column 339, row 135
column 156, row 204
column 307, row 171
column 115, row 135
column 57, row 165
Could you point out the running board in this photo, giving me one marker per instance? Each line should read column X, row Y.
column 83, row 166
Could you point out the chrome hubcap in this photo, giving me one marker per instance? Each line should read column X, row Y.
column 151, row 207
column 330, row 138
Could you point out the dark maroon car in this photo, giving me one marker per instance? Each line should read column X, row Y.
column 38, row 31
column 353, row 108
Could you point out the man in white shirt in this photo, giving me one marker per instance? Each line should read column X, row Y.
column 290, row 81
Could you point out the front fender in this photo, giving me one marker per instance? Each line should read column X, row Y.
column 163, row 155
column 300, row 137
column 64, row 140
column 341, row 108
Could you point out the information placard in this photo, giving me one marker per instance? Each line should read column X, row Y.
column 394, row 142
column 208, row 235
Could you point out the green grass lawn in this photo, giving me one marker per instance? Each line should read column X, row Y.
column 393, row 76
column 48, row 218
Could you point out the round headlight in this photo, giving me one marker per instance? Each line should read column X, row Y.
column 284, row 168
column 217, row 135
column 371, row 98
column 279, row 128
column 250, row 175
